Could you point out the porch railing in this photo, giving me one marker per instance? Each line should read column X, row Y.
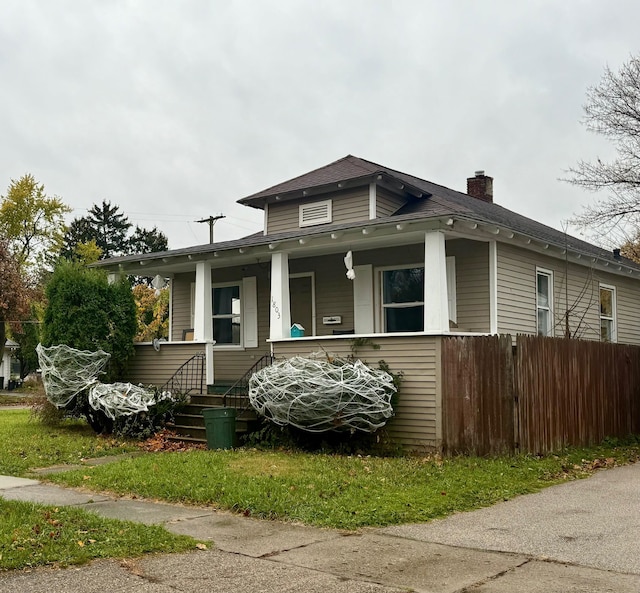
column 237, row 396
column 189, row 377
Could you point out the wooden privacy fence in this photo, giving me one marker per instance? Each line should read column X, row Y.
column 542, row 395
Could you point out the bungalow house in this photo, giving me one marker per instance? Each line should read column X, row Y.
column 357, row 250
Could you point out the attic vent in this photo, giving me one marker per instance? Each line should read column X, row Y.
column 315, row 213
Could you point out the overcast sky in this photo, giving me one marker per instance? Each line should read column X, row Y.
column 174, row 110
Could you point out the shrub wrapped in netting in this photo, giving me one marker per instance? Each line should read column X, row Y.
column 123, row 399
column 66, row 371
column 322, row 393
column 70, row 380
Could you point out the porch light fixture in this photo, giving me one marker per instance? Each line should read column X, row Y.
column 399, row 227
column 367, row 231
column 272, row 246
column 450, row 222
column 303, row 241
column 142, row 263
column 335, row 236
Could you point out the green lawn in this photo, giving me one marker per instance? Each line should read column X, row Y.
column 326, row 490
column 338, row 491
column 36, row 535
column 33, row 535
column 27, row 444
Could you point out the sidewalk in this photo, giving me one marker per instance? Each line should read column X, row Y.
column 250, row 555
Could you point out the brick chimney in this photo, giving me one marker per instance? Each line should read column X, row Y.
column 480, row 187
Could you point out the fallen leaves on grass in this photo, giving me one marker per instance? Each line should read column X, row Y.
column 164, row 441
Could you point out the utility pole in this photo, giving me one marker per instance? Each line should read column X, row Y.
column 212, row 220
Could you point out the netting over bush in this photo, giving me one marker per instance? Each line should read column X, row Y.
column 67, row 371
column 122, row 399
column 322, row 393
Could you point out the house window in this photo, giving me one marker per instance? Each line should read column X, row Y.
column 607, row 313
column 403, row 300
column 226, row 314
column 315, row 213
column 544, row 300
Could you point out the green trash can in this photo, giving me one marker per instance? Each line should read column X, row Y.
column 220, row 426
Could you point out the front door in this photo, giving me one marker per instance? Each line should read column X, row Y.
column 302, row 301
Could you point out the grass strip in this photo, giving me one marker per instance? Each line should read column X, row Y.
column 337, row 491
column 27, row 444
column 36, row 535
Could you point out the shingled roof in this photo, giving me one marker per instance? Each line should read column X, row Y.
column 437, row 201
column 426, row 200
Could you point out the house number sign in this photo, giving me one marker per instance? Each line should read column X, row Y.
column 275, row 307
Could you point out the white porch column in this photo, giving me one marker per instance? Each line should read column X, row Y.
column 203, row 315
column 436, row 302
column 280, row 317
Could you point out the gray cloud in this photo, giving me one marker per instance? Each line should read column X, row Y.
column 175, row 110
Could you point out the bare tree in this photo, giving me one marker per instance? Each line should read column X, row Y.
column 613, row 111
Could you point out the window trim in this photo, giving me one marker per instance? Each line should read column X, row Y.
column 379, row 299
column 239, row 284
column 327, row 218
column 240, row 345
column 549, row 273
column 614, row 311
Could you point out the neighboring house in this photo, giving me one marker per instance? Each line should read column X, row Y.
column 428, row 262
column 8, row 363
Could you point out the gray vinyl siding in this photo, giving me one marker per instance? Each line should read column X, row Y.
column 151, row 367
column 387, row 203
column 516, row 291
column 628, row 309
column 181, row 304
column 415, row 424
column 472, row 284
column 575, row 288
column 334, row 291
column 347, row 206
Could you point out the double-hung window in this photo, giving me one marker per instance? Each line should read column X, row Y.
column 227, row 314
column 403, row 300
column 544, row 302
column 607, row 313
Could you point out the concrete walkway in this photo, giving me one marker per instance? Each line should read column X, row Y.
column 578, row 537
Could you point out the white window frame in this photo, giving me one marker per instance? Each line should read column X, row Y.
column 380, row 307
column 303, row 208
column 549, row 307
column 614, row 316
column 379, row 297
column 239, row 284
